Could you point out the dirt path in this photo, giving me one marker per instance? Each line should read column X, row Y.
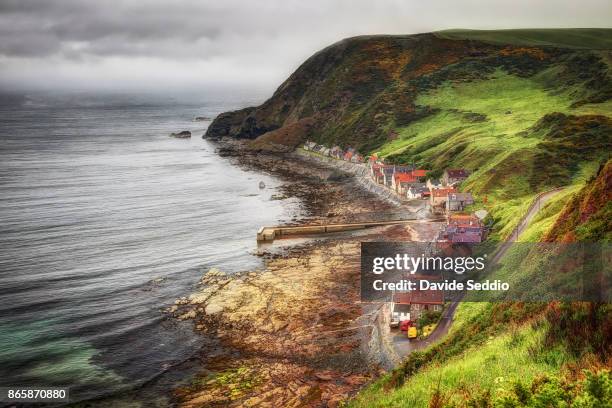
column 404, row 346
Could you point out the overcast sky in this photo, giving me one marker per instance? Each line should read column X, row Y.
column 139, row 44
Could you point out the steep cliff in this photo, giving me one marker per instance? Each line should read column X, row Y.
column 364, row 91
column 588, row 215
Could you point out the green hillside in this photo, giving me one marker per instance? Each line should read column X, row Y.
column 581, row 38
column 519, row 354
column 524, row 111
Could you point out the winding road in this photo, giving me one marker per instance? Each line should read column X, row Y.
column 404, row 346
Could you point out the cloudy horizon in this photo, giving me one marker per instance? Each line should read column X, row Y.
column 138, row 45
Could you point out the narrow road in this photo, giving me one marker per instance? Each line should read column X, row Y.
column 404, row 346
column 538, row 203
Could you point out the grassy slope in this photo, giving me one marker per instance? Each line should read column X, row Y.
column 514, row 115
column 497, row 363
column 490, row 127
column 488, row 350
column 492, row 355
column 497, row 127
column 579, row 38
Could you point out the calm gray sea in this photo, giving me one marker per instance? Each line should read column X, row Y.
column 97, row 204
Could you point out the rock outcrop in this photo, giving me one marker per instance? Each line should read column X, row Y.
column 229, row 124
column 185, row 134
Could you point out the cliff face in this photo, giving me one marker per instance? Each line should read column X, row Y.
column 352, row 89
column 361, row 91
column 588, row 215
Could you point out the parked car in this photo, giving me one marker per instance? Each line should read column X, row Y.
column 405, row 324
column 411, row 333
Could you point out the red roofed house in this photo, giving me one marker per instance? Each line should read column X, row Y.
column 419, row 173
column 440, row 195
column 463, row 228
column 378, row 175
column 410, row 305
column 399, row 178
column 374, row 167
column 454, row 176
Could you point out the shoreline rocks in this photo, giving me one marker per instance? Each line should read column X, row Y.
column 185, row 134
column 295, row 325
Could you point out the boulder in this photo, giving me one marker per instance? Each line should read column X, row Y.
column 185, row 134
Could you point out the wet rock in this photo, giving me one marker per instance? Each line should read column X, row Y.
column 213, row 308
column 227, row 124
column 324, row 376
column 185, row 134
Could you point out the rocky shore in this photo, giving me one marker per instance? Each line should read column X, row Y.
column 294, row 333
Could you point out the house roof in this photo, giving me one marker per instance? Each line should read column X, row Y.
column 457, row 173
column 423, row 297
column 403, row 169
column 463, row 220
column 460, row 197
column 410, row 184
column 469, row 237
column 442, row 192
column 419, row 173
column 419, row 189
column 401, row 177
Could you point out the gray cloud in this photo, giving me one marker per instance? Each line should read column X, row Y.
column 197, row 42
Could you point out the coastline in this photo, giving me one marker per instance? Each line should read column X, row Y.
column 294, row 333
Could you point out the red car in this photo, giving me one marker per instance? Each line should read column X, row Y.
column 405, row 324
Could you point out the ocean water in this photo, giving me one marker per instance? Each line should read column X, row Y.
column 104, row 221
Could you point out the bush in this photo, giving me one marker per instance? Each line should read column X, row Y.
column 595, row 391
column 429, row 317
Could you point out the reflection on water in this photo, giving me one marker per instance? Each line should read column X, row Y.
column 104, row 220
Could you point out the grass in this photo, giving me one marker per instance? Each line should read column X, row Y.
column 546, row 217
column 513, row 356
column 484, row 136
column 493, row 112
column 494, row 127
column 576, row 38
column 519, row 135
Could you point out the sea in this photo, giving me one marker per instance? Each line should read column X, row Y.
column 105, row 221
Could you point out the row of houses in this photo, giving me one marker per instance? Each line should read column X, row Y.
column 406, row 181
column 349, row 155
column 443, row 195
column 411, row 183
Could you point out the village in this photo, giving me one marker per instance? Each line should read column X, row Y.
column 415, row 314
column 442, row 196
